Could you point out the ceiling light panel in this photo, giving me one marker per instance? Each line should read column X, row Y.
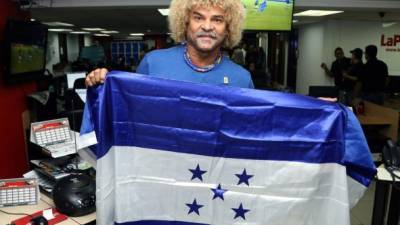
column 317, row 13
column 93, row 29
column 164, row 12
column 136, row 34
column 109, row 31
column 59, row 30
column 58, row 24
column 101, row 35
column 80, row 32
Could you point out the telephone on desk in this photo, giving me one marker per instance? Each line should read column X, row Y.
column 391, row 159
column 391, row 155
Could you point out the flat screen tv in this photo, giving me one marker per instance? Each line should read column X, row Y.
column 25, row 44
column 268, row 15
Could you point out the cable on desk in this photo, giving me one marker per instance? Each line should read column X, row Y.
column 16, row 214
column 392, row 171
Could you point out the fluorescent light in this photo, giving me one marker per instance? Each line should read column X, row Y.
column 80, row 32
column 136, row 38
column 164, row 12
column 93, row 29
column 33, row 20
column 136, row 34
column 388, row 24
column 58, row 24
column 101, row 35
column 60, row 30
column 317, row 13
column 109, row 31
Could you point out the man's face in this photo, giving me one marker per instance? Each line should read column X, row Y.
column 339, row 54
column 366, row 56
column 354, row 59
column 206, row 29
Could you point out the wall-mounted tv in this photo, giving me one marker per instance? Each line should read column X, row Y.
column 268, row 15
column 25, row 44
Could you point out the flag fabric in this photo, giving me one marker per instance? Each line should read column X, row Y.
column 181, row 153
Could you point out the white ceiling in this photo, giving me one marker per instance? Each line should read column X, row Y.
column 135, row 16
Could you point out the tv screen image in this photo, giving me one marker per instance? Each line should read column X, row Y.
column 25, row 44
column 274, row 15
column 26, row 58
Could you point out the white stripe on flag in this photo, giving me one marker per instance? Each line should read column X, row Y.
column 86, row 140
column 146, row 184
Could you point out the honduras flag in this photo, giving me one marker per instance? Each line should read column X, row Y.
column 180, row 153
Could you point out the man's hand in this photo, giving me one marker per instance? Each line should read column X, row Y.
column 324, row 66
column 96, row 77
column 328, row 99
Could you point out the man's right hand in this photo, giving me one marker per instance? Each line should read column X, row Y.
column 96, row 77
column 324, row 66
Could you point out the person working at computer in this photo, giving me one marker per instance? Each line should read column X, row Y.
column 202, row 27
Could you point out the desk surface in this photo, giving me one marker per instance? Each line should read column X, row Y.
column 374, row 120
column 376, row 115
column 44, row 203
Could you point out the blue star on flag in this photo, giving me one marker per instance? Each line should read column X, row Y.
column 244, row 178
column 219, row 192
column 240, row 212
column 197, row 173
column 194, row 207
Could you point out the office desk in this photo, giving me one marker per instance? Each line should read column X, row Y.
column 376, row 115
column 387, row 199
column 44, row 203
column 373, row 120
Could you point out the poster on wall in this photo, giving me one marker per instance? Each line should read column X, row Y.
column 390, row 50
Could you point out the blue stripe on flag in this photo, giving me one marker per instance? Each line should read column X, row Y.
column 239, row 125
column 226, row 122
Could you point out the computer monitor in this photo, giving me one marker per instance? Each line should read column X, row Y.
column 72, row 77
column 323, row 91
column 394, row 85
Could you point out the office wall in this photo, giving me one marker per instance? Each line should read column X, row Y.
column 318, row 41
column 13, row 159
column 310, row 55
column 351, row 34
column 73, row 47
column 53, row 51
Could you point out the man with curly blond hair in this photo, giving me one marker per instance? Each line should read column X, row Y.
column 202, row 27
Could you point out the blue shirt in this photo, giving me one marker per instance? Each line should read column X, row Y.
column 170, row 64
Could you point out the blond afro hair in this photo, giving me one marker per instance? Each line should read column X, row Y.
column 234, row 16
